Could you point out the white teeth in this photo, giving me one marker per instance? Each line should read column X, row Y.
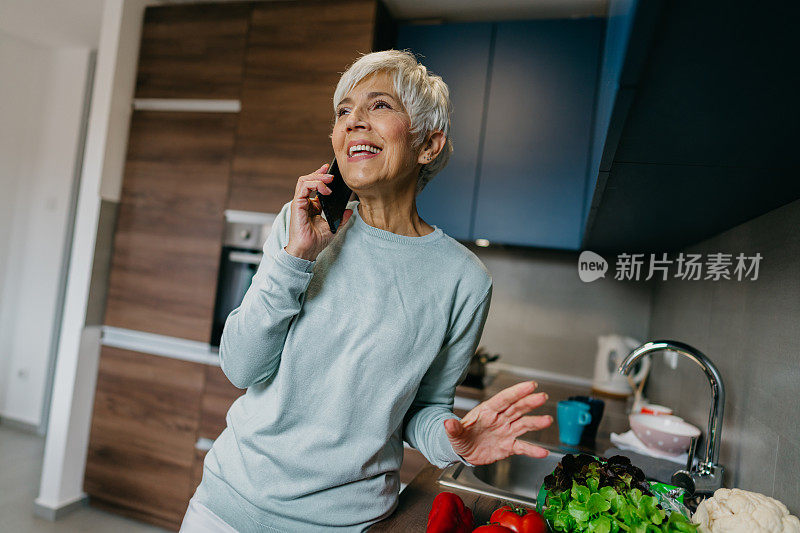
column 363, row 148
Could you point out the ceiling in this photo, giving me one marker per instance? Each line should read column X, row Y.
column 475, row 10
column 77, row 22
column 53, row 23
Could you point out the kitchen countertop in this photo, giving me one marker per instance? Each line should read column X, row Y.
column 415, row 501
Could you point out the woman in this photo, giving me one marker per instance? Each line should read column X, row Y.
column 350, row 343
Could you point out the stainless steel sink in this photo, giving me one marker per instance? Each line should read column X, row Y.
column 516, row 478
column 519, row 477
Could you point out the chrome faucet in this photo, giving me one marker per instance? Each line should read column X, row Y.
column 706, row 477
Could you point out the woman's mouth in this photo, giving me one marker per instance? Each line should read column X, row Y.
column 361, row 152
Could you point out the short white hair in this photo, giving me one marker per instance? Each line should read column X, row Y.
column 425, row 97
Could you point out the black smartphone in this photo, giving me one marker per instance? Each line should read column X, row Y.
column 334, row 204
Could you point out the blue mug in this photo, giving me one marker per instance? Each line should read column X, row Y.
column 596, row 406
column 573, row 416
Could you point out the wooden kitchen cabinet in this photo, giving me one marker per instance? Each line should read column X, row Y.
column 193, row 51
column 167, row 241
column 197, row 468
column 295, row 54
column 144, row 428
column 149, row 413
column 218, row 396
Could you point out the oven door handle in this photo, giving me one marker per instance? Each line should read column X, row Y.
column 245, row 257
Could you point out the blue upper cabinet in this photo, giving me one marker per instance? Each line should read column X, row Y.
column 460, row 54
column 523, row 98
column 536, row 146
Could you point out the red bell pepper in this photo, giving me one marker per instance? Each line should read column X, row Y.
column 449, row 515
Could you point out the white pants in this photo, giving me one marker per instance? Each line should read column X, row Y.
column 200, row 519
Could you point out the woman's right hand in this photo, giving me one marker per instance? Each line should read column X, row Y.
column 309, row 233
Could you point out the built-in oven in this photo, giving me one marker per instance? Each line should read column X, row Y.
column 242, row 245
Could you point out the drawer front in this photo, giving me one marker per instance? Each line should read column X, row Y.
column 144, row 428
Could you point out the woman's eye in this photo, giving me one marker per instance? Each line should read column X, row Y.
column 380, row 104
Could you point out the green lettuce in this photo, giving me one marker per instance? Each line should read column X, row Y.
column 608, row 497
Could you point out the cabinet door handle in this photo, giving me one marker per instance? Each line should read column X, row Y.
column 203, row 444
column 245, row 257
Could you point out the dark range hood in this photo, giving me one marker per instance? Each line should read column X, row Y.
column 705, row 132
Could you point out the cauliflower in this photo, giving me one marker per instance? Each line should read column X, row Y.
column 740, row 511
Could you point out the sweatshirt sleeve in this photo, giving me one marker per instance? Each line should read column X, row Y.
column 433, row 403
column 255, row 332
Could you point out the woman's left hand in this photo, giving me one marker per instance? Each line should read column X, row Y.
column 488, row 433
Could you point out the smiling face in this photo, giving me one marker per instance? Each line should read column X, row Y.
column 371, row 138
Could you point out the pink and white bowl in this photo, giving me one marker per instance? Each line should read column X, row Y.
column 665, row 433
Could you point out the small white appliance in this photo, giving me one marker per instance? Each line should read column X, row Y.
column 611, row 351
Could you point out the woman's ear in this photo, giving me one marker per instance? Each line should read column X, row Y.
column 432, row 147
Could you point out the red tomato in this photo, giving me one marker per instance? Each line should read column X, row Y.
column 492, row 528
column 519, row 519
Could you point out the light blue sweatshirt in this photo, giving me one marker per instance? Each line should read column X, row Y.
column 343, row 358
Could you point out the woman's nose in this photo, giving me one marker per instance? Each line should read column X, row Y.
column 357, row 119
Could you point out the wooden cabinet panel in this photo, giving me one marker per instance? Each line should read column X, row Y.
column 144, row 427
column 197, row 468
column 218, row 396
column 171, row 217
column 536, row 146
column 193, row 51
column 293, row 63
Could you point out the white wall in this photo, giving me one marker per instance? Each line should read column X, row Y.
column 18, row 100
column 40, row 110
column 53, row 23
column 78, row 346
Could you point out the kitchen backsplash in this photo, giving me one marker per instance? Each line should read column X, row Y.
column 544, row 317
column 751, row 330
